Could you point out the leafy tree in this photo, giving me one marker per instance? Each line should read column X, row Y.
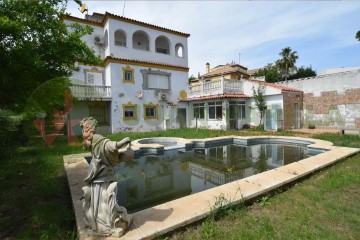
column 259, row 97
column 357, row 36
column 191, row 78
column 35, row 47
column 270, row 72
column 286, row 64
column 303, row 72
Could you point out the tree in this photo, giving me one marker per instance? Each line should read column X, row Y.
column 35, row 47
column 286, row 64
column 191, row 78
column 357, row 36
column 303, row 72
column 259, row 97
column 270, row 72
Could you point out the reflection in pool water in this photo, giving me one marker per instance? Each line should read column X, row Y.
column 153, row 179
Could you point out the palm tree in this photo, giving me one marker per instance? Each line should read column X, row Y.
column 286, row 65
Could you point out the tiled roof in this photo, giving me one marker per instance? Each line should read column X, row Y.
column 225, row 70
column 273, row 85
column 216, row 97
column 109, row 59
column 124, row 19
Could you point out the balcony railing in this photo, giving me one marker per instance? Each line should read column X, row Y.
column 91, row 92
column 218, row 87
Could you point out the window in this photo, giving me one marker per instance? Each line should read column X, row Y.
column 94, row 77
column 179, row 50
column 141, row 40
column 162, row 45
column 215, row 110
column 129, row 111
column 237, row 110
column 128, row 75
column 199, row 110
column 151, row 111
column 120, row 38
column 156, row 79
column 99, row 111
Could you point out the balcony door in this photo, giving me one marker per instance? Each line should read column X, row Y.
column 236, row 112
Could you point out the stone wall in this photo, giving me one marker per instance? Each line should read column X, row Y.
column 330, row 101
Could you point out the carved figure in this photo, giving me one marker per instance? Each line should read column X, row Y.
column 102, row 215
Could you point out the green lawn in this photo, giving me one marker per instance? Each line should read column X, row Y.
column 35, row 201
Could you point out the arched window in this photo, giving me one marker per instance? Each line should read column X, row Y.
column 162, row 45
column 120, row 38
column 179, row 50
column 106, row 37
column 141, row 40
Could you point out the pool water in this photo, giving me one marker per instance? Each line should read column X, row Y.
column 153, row 179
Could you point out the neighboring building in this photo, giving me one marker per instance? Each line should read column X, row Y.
column 228, row 71
column 331, row 99
column 229, row 104
column 144, row 73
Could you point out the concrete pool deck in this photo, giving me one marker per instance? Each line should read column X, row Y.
column 158, row 220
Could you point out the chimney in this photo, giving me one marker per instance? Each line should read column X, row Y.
column 207, row 68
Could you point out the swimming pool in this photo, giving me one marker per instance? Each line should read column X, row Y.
column 151, row 179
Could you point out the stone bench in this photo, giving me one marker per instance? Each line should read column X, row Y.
column 342, row 130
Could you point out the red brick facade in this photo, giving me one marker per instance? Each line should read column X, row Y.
column 289, row 100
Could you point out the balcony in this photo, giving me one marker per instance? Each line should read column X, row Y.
column 91, row 92
column 218, row 87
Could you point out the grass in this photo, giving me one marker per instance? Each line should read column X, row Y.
column 35, row 200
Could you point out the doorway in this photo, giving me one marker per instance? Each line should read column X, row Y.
column 297, row 115
column 181, row 115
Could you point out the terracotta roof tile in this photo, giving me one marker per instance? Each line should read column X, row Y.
column 147, row 24
column 161, row 65
column 216, row 97
column 124, row 19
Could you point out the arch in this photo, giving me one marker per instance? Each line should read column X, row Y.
column 120, row 38
column 106, row 38
column 179, row 50
column 162, row 45
column 140, row 40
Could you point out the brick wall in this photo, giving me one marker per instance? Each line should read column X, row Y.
column 333, row 109
column 289, row 99
column 330, row 100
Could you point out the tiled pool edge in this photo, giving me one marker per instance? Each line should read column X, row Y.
column 169, row 216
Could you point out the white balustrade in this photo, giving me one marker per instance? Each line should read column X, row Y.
column 223, row 86
column 95, row 92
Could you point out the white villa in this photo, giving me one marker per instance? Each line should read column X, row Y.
column 144, row 73
column 142, row 84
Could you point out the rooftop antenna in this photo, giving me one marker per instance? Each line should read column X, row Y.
column 83, row 8
column 239, row 58
column 124, row 8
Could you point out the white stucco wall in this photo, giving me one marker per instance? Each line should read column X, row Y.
column 339, row 82
column 129, row 52
column 124, row 93
column 89, row 39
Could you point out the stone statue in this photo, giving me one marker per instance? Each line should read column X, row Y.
column 102, row 215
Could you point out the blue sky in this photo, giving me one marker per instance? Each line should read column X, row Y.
column 322, row 32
